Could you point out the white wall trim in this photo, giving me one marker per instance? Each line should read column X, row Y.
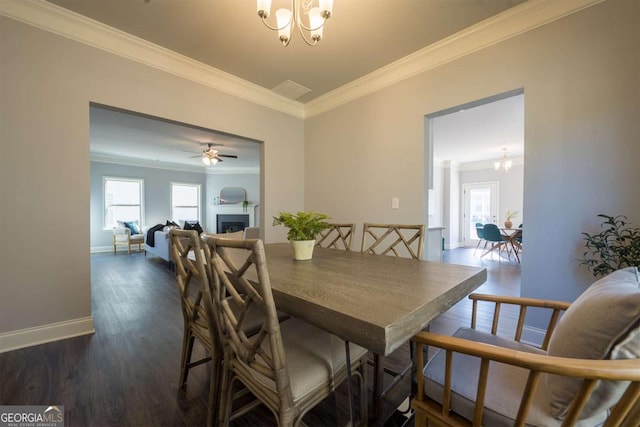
column 510, row 23
column 454, row 245
column 533, row 336
column 99, row 249
column 60, row 21
column 214, row 170
column 488, row 164
column 47, row 333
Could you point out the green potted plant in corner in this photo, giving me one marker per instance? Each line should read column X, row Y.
column 303, row 227
column 616, row 246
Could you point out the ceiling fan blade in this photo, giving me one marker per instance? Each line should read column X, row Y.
column 193, row 157
column 228, row 155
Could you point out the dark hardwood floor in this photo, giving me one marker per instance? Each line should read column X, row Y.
column 126, row 374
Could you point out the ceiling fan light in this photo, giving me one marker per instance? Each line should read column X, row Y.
column 206, row 160
column 214, row 161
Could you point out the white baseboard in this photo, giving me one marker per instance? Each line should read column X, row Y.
column 99, row 249
column 453, row 245
column 47, row 333
column 534, row 336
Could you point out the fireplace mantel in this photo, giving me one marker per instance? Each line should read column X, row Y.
column 235, row 209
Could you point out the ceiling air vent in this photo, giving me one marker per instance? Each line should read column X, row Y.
column 291, row 90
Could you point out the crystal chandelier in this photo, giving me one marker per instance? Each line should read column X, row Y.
column 504, row 164
column 288, row 18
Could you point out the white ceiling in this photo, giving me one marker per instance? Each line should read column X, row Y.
column 120, row 136
column 360, row 37
column 480, row 133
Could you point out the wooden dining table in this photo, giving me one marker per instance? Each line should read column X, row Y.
column 378, row 302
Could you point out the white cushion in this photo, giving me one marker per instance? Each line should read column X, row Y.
column 312, row 357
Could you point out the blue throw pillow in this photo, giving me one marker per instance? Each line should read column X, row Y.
column 133, row 226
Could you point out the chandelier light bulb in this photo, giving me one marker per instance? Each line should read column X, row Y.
column 315, row 23
column 264, row 8
column 283, row 16
column 504, row 164
column 310, row 28
column 326, row 8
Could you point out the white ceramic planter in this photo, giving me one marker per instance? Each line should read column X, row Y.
column 302, row 249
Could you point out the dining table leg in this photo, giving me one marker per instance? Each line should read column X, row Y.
column 349, row 391
column 378, row 377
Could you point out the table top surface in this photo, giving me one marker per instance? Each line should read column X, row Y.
column 378, row 302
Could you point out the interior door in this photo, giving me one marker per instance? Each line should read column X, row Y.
column 480, row 205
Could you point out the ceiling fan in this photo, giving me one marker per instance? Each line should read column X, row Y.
column 211, row 156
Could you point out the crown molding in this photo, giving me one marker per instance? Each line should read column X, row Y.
column 129, row 161
column 510, row 23
column 60, row 21
column 214, row 170
column 489, row 164
column 232, row 171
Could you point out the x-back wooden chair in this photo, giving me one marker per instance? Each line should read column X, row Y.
column 396, row 239
column 197, row 310
column 259, row 362
column 339, row 236
column 393, row 240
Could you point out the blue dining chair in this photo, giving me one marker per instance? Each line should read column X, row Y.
column 491, row 233
column 480, row 233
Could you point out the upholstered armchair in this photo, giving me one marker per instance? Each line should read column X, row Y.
column 122, row 236
column 585, row 373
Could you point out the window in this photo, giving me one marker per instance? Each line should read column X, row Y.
column 185, row 202
column 122, row 200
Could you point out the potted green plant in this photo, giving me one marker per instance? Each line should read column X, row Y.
column 303, row 227
column 508, row 216
column 616, row 246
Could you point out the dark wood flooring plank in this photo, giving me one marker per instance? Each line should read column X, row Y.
column 126, row 374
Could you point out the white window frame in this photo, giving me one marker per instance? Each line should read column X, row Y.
column 199, row 200
column 105, row 179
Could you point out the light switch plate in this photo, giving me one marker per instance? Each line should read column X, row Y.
column 395, row 203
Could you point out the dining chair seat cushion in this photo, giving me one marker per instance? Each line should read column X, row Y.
column 313, row 357
column 505, row 386
column 602, row 323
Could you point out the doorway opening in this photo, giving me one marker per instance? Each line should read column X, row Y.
column 462, row 146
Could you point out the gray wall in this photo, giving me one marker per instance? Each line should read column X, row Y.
column 250, row 182
column 581, row 79
column 47, row 84
column 157, row 196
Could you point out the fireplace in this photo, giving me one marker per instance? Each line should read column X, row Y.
column 230, row 223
